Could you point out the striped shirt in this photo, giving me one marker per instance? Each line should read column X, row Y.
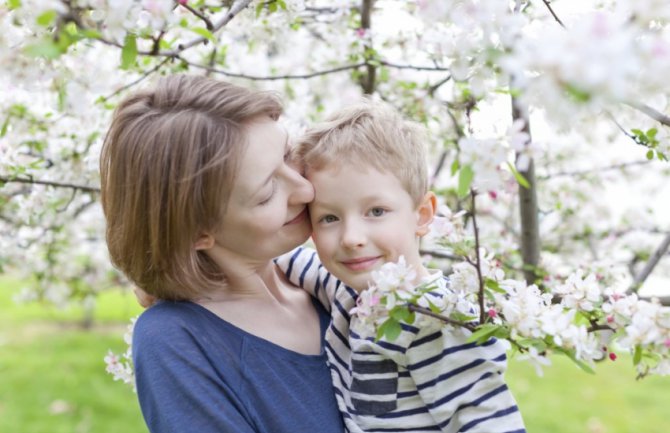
column 426, row 380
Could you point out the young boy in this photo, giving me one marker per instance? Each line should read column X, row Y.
column 372, row 205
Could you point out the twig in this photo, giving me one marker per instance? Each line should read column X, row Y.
column 578, row 173
column 469, row 326
column 440, row 255
column 49, row 183
column 200, row 15
column 144, row 76
column 547, row 3
column 413, row 67
column 235, row 9
column 478, row 263
column 273, row 77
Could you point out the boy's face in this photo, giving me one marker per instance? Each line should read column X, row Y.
column 361, row 219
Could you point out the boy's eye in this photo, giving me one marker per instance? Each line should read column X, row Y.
column 328, row 219
column 377, row 211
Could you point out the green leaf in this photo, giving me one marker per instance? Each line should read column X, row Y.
column 14, row 4
column 454, row 167
column 129, row 51
column 465, row 176
column 91, row 33
column 651, row 133
column 637, row 356
column 483, row 333
column 581, row 364
column 46, row 18
column 493, row 285
column 400, row 313
column 46, row 48
column 650, row 155
column 5, row 126
column 518, row 176
column 390, row 329
column 259, row 8
column 578, row 94
column 204, row 33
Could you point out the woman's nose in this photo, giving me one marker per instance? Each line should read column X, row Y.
column 301, row 190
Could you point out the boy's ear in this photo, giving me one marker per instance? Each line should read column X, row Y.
column 205, row 241
column 426, row 212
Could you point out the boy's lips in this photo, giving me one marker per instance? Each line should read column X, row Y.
column 361, row 263
column 298, row 218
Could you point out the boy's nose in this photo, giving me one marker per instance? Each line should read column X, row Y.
column 353, row 235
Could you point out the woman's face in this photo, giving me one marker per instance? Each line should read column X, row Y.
column 267, row 213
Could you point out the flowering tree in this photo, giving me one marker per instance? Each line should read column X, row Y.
column 550, row 114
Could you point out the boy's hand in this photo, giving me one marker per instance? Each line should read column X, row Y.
column 146, row 300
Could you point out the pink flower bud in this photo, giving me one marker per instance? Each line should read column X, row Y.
column 360, row 32
column 492, row 313
column 612, row 356
column 610, row 319
column 493, row 195
column 182, row 2
column 666, row 343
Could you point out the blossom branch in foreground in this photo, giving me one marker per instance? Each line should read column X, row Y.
column 575, row 317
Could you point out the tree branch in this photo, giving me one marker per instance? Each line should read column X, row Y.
column 650, row 265
column 656, row 115
column 578, row 173
column 530, row 226
column 83, row 188
column 413, row 67
column 478, row 264
column 440, row 255
column 368, row 82
column 139, row 80
column 197, row 13
column 272, row 77
column 469, row 326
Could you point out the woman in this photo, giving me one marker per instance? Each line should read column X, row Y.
column 199, row 198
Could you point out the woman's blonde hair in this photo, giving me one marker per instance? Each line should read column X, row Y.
column 369, row 133
column 167, row 166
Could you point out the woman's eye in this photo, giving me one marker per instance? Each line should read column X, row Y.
column 377, row 211
column 272, row 193
column 328, row 219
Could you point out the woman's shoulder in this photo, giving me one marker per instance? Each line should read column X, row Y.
column 169, row 320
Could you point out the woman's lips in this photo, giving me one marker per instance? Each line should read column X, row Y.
column 299, row 218
column 360, row 264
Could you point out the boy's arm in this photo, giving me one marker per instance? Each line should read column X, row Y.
column 303, row 268
column 461, row 383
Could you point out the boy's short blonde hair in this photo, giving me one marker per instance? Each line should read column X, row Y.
column 167, row 166
column 369, row 133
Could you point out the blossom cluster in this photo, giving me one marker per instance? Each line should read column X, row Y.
column 577, row 316
column 121, row 366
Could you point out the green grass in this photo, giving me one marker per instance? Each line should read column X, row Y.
column 53, row 379
column 566, row 399
column 53, row 374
